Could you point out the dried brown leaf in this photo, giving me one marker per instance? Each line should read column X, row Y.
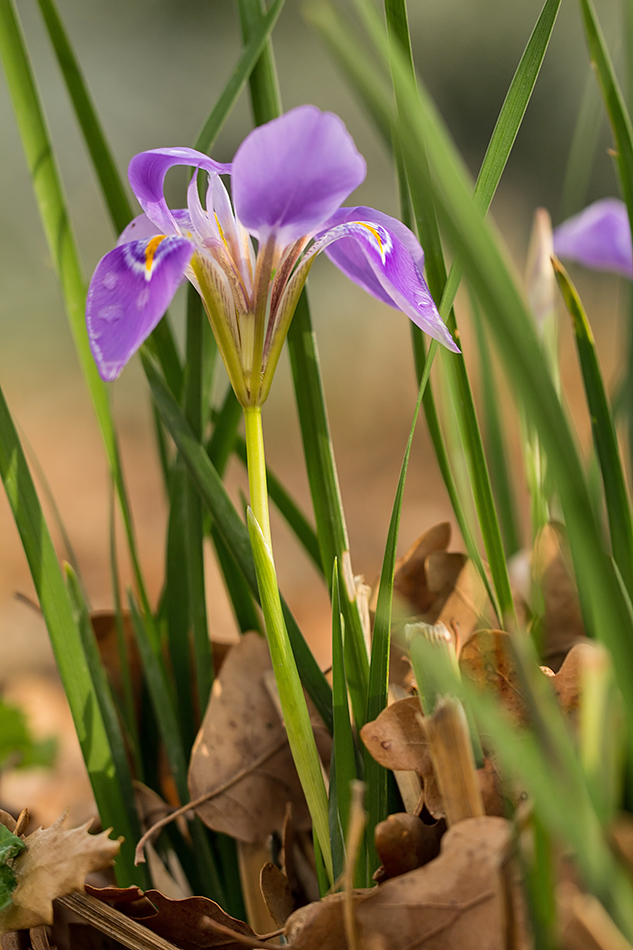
column 404, row 842
column 410, row 579
column 452, row 902
column 277, row 893
column 562, row 619
column 396, row 738
column 55, row 862
column 487, row 660
column 466, row 607
column 187, row 923
column 240, row 725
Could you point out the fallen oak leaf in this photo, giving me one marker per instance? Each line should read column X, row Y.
column 54, row 862
column 453, row 901
column 240, row 725
column 189, row 923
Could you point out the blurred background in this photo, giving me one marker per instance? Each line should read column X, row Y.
column 155, row 69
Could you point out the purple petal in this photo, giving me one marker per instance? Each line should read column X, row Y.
column 290, row 175
column 386, row 261
column 129, row 292
column 141, row 227
column 349, row 255
column 599, row 237
column 147, row 172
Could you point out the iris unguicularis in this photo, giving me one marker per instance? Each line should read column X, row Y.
column 249, row 260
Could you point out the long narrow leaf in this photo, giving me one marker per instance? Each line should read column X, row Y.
column 375, row 774
column 66, row 641
column 62, row 247
column 515, row 336
column 603, row 430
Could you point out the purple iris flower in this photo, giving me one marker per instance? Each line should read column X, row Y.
column 599, row 237
column 289, row 178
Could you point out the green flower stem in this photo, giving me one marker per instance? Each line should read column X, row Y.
column 291, row 695
column 256, row 465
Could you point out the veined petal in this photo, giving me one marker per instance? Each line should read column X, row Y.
column 599, row 237
column 385, row 262
column 129, row 292
column 290, row 175
column 147, row 172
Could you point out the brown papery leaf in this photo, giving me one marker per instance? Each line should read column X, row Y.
column 404, row 842
column 453, row 902
column 396, row 739
column 562, row 620
column 410, row 580
column 277, row 893
column 467, row 606
column 187, row 923
column 487, row 659
column 241, row 725
column 55, row 862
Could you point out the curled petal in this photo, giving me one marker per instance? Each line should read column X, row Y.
column 599, row 237
column 349, row 256
column 385, row 262
column 291, row 174
column 147, row 177
column 130, row 291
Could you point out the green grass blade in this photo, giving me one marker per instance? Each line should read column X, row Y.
column 325, row 492
column 603, row 431
column 614, row 101
column 257, row 33
column 112, row 188
column 513, row 331
column 102, row 159
column 496, row 449
column 176, row 599
column 111, row 722
column 62, row 247
column 343, row 765
column 66, row 641
column 263, row 82
column 545, row 763
column 240, row 594
column 375, row 774
column 196, row 389
column 162, row 698
column 232, row 529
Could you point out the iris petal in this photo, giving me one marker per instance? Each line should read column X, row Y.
column 349, row 256
column 383, row 257
column 291, row 174
column 129, row 292
column 147, row 177
column 141, row 227
column 599, row 237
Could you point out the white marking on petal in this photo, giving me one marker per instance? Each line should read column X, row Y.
column 143, row 298
column 110, row 280
column 111, row 314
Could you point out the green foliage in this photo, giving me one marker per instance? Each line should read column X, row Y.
column 10, row 847
column 18, row 748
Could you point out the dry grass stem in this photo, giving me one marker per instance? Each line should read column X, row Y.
column 453, row 761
